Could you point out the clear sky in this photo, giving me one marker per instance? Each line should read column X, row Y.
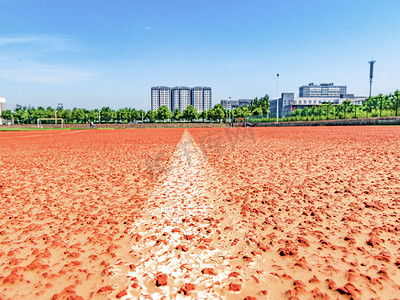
column 109, row 53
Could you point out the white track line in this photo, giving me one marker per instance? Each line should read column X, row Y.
column 183, row 195
column 176, row 216
column 36, row 135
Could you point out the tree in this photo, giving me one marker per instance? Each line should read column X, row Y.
column 203, row 115
column 66, row 115
column 6, row 114
column 93, row 115
column 106, row 114
column 163, row 113
column 246, row 111
column 80, row 115
column 134, row 115
column 122, row 114
column 262, row 103
column 22, row 116
column 219, row 112
column 151, row 115
column 190, row 113
column 257, row 111
column 177, row 114
column 397, row 94
column 50, row 113
column 141, row 114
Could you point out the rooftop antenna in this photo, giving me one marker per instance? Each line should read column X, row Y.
column 371, row 74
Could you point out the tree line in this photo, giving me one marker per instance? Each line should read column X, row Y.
column 29, row 115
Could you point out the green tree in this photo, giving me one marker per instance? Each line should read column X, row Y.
column 204, row 115
column 22, row 116
column 262, row 103
column 67, row 115
column 190, row 113
column 246, row 111
column 212, row 114
column 50, row 113
column 93, row 115
column 6, row 114
column 140, row 114
column 122, row 114
column 163, row 113
column 238, row 112
column 257, row 111
column 177, row 114
column 151, row 115
column 80, row 115
column 134, row 115
column 106, row 114
column 219, row 112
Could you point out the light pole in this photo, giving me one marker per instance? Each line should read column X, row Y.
column 230, row 102
column 371, row 75
column 277, row 97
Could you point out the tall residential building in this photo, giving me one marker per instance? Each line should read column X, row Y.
column 2, row 108
column 322, row 90
column 201, row 98
column 180, row 97
column 2, row 104
column 160, row 96
column 207, row 98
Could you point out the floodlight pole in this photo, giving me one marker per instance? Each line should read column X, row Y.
column 277, row 98
column 230, row 102
column 371, row 75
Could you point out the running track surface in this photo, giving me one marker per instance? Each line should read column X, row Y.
column 201, row 213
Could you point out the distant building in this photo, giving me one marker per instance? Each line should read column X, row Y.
column 181, row 97
column 232, row 104
column 322, row 90
column 244, row 102
column 288, row 102
column 201, row 98
column 160, row 96
column 2, row 108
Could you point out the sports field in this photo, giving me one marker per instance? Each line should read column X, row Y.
column 230, row 213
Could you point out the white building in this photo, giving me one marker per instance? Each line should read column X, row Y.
column 181, row 98
column 201, row 98
column 2, row 108
column 288, row 102
column 322, row 90
column 230, row 104
column 160, row 96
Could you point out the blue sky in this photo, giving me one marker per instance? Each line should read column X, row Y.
column 109, row 53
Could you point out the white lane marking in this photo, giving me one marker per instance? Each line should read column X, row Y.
column 183, row 195
column 35, row 135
